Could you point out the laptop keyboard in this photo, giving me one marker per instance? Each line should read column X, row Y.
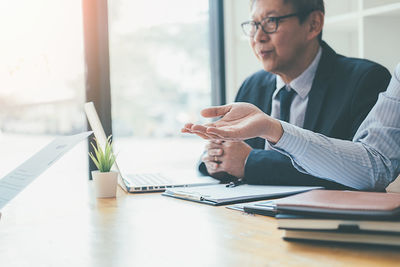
column 148, row 179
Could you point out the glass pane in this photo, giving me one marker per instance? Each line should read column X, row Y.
column 378, row 3
column 41, row 77
column 160, row 78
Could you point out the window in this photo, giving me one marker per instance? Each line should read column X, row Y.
column 41, row 77
column 160, row 78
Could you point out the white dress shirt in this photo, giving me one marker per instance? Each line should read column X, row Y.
column 302, row 86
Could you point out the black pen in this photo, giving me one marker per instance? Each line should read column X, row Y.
column 235, row 183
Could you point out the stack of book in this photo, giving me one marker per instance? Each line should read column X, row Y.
column 341, row 216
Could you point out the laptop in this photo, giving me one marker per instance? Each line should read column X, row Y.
column 145, row 182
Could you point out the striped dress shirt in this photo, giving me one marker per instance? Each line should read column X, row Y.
column 370, row 162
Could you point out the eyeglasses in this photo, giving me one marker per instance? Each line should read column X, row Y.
column 268, row 25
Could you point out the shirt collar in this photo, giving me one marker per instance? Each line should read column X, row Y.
column 303, row 83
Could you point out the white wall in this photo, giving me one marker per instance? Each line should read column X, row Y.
column 357, row 28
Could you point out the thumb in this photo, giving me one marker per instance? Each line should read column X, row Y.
column 215, row 111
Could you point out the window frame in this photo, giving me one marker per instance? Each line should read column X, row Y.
column 96, row 49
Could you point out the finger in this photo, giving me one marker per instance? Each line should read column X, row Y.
column 185, row 130
column 188, row 125
column 212, row 144
column 221, row 134
column 218, row 142
column 214, row 137
column 204, row 136
column 209, row 124
column 201, row 130
column 207, row 159
column 215, row 152
column 188, row 129
column 215, row 111
column 212, row 167
column 215, row 167
column 198, row 128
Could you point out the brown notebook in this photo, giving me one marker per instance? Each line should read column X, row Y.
column 346, row 204
column 333, row 236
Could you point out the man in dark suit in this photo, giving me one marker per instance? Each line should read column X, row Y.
column 303, row 82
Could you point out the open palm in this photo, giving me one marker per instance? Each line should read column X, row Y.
column 240, row 121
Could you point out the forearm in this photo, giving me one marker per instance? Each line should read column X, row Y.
column 342, row 161
column 370, row 162
column 269, row 167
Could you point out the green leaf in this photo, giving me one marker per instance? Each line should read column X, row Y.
column 94, row 160
column 103, row 160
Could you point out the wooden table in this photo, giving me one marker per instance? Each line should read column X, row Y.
column 57, row 221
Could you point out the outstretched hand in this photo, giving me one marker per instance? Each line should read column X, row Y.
column 239, row 121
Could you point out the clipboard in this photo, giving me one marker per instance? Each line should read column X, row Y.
column 222, row 194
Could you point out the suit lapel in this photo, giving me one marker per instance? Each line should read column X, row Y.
column 265, row 104
column 319, row 87
column 271, row 86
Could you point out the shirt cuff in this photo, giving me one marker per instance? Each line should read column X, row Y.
column 294, row 140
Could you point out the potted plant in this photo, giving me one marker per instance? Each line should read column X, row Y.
column 105, row 180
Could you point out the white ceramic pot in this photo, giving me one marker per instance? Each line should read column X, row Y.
column 105, row 183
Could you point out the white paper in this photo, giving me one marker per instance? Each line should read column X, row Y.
column 220, row 193
column 14, row 182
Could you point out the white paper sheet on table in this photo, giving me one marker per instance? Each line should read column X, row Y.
column 14, row 182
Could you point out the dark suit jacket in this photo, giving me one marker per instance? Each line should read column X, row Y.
column 343, row 92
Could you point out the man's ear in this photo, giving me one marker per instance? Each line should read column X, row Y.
column 315, row 24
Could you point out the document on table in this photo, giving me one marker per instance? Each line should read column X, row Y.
column 14, row 182
column 222, row 194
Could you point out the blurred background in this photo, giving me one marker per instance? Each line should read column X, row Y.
column 159, row 74
column 162, row 68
